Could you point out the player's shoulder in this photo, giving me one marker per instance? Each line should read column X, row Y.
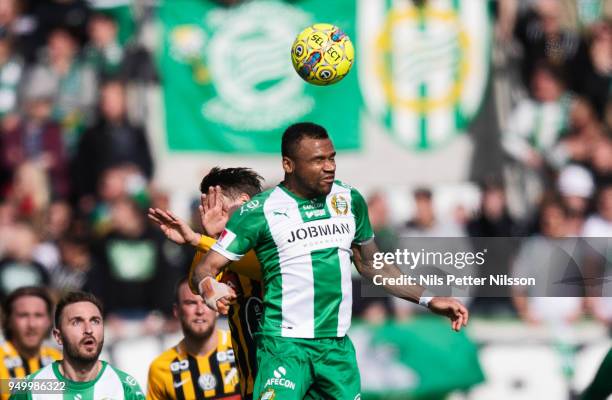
column 46, row 372
column 51, row 352
column 345, row 188
column 163, row 361
column 255, row 205
column 224, row 341
column 129, row 383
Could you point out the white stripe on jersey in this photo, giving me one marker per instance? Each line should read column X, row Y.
column 297, row 301
column 109, row 386
column 46, row 373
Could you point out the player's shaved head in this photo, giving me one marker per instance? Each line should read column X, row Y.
column 233, row 181
column 295, row 133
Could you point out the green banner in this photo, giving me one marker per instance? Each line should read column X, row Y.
column 427, row 66
column 228, row 83
column 419, row 359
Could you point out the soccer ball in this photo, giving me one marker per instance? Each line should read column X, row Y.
column 322, row 54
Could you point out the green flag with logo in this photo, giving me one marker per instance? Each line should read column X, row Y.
column 227, row 79
column 427, row 66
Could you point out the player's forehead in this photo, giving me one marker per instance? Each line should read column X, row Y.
column 82, row 309
column 185, row 294
column 311, row 148
column 29, row 304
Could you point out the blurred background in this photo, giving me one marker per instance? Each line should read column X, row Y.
column 459, row 118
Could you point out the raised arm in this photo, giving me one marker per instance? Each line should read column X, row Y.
column 363, row 256
column 217, row 295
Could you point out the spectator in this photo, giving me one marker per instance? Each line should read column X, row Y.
column 493, row 220
column 585, row 131
column 112, row 142
column 492, row 229
column 418, row 233
column 599, row 225
column 72, row 15
column 72, row 84
column 8, row 215
column 544, row 39
column 129, row 274
column 601, row 162
column 535, row 125
column 104, row 52
column 384, row 234
column 17, row 267
column 20, row 27
column 37, row 139
column 549, row 259
column 29, row 191
column 576, row 186
column 73, row 270
column 11, row 70
column 424, row 223
column 596, row 71
column 532, row 140
column 57, row 221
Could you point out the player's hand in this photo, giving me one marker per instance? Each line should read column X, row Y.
column 218, row 296
column 213, row 212
column 173, row 227
column 451, row 308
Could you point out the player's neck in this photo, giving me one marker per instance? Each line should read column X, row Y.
column 201, row 346
column 25, row 352
column 294, row 187
column 79, row 371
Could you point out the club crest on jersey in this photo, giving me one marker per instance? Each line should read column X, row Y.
column 339, row 204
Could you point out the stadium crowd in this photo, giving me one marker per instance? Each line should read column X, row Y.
column 76, row 167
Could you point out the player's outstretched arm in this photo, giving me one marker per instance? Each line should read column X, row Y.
column 217, row 295
column 363, row 256
column 173, row 227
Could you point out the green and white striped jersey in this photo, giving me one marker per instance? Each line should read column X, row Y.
column 304, row 248
column 110, row 384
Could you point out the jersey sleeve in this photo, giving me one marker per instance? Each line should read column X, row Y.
column 363, row 229
column 131, row 388
column 242, row 231
column 247, row 265
column 155, row 384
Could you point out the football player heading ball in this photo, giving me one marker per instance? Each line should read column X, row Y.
column 304, row 232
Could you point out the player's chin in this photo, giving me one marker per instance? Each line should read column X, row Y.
column 325, row 186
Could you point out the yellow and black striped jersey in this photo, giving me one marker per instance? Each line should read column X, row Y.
column 176, row 374
column 245, row 314
column 16, row 366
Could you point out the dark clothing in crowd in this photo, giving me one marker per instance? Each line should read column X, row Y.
column 565, row 51
column 132, row 275
column 108, row 145
column 30, row 142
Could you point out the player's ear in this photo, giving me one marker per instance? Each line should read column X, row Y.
column 243, row 198
column 288, row 165
column 175, row 310
column 57, row 336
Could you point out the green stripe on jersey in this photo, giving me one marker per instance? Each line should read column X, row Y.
column 327, row 290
